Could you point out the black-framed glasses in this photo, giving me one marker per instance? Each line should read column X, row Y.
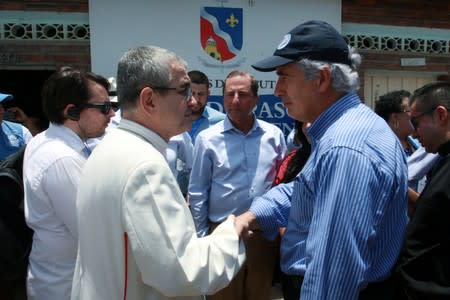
column 104, row 107
column 415, row 120
column 185, row 91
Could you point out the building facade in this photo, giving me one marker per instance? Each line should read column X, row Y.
column 404, row 44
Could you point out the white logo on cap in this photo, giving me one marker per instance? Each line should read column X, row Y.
column 286, row 39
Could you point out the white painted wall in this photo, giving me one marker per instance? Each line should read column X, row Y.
column 117, row 25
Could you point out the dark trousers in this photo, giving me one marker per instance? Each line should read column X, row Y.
column 13, row 289
column 379, row 290
column 290, row 286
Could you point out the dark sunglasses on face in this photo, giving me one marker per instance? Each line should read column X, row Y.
column 415, row 120
column 104, row 107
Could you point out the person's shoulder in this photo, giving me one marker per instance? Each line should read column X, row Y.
column 118, row 144
column 6, row 123
column 269, row 127
column 210, row 132
column 178, row 138
column 45, row 146
column 26, row 134
column 213, row 114
column 13, row 127
column 360, row 125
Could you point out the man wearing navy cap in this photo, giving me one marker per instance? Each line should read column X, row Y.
column 12, row 135
column 346, row 214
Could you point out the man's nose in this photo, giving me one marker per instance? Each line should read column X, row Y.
column 111, row 113
column 192, row 100
column 278, row 90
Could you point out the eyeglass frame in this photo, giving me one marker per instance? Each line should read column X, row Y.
column 185, row 91
column 415, row 120
column 104, row 107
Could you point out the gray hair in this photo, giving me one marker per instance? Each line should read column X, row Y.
column 343, row 77
column 144, row 66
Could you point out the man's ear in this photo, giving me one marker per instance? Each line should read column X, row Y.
column 148, row 99
column 393, row 120
column 442, row 115
column 71, row 112
column 394, row 117
column 324, row 79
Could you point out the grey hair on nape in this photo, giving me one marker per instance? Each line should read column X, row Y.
column 345, row 78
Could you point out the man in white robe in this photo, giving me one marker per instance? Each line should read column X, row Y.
column 137, row 239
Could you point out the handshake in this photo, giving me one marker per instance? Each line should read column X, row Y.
column 245, row 224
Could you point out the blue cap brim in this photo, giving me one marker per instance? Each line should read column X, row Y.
column 271, row 63
column 4, row 97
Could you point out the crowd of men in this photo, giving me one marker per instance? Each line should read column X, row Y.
column 178, row 201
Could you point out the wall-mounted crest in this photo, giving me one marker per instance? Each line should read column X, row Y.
column 221, row 32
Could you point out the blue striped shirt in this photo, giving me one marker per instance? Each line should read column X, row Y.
column 349, row 205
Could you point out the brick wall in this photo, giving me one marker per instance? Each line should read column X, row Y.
column 422, row 13
column 43, row 55
column 418, row 13
column 39, row 5
column 49, row 54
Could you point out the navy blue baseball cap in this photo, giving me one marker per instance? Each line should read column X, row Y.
column 316, row 40
column 4, row 97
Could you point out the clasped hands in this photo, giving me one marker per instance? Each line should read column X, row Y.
column 245, row 224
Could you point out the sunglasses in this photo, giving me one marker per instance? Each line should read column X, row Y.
column 416, row 119
column 185, row 91
column 104, row 107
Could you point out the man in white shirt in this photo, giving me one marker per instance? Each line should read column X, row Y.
column 235, row 161
column 77, row 106
column 136, row 235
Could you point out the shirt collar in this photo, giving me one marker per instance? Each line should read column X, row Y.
column 205, row 113
column 67, row 135
column 331, row 114
column 148, row 135
column 199, row 120
column 227, row 125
